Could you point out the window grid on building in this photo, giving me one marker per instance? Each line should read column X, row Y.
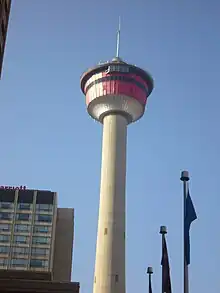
column 4, row 249
column 25, row 234
column 22, row 228
column 5, row 227
column 38, row 263
column 4, row 238
column 17, row 262
column 6, row 205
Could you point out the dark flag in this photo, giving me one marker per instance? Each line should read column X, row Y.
column 190, row 216
column 166, row 282
column 150, row 286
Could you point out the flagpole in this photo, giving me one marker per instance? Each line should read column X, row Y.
column 149, row 272
column 185, row 179
column 163, row 232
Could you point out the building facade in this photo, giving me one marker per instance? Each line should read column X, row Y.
column 35, row 235
column 5, row 6
column 37, row 282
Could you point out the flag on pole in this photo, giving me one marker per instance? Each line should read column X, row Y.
column 166, row 281
column 190, row 216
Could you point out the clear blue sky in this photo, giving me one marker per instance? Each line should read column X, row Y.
column 48, row 141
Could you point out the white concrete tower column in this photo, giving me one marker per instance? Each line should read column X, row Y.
column 110, row 248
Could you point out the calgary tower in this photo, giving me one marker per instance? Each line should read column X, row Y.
column 116, row 95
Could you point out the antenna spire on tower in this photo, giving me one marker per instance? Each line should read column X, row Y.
column 118, row 38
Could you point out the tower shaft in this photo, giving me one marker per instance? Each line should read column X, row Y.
column 110, row 249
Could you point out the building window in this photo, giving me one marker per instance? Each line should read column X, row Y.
column 17, row 262
column 42, row 229
column 4, row 238
column 5, row 216
column 24, row 206
column 21, row 239
column 40, row 251
column 40, row 240
column 118, row 68
column 43, row 218
column 4, row 249
column 3, row 261
column 6, row 205
column 20, row 250
column 5, row 227
column 23, row 217
column 37, row 263
column 22, row 228
column 44, row 207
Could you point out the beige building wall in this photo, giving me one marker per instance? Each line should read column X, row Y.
column 63, row 250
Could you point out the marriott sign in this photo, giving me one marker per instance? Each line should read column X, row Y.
column 13, row 187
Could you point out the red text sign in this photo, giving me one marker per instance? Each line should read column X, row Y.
column 13, row 187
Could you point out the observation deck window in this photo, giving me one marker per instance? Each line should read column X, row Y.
column 118, row 68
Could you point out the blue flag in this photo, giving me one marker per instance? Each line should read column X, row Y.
column 190, row 216
column 166, row 280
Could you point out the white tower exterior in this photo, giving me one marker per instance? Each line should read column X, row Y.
column 116, row 95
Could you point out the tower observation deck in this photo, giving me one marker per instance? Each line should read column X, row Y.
column 116, row 87
column 116, row 95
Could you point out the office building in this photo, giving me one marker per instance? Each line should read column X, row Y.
column 5, row 6
column 35, row 235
